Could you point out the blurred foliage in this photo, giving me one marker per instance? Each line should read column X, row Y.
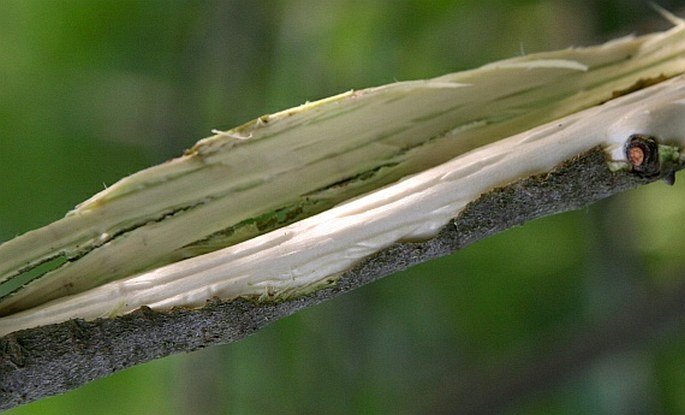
column 91, row 91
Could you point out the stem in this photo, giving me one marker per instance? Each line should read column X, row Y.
column 310, row 254
column 69, row 354
column 291, row 165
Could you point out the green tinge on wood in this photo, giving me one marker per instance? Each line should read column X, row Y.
column 284, row 167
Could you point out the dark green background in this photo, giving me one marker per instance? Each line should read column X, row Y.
column 91, row 91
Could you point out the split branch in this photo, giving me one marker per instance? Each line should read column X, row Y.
column 53, row 359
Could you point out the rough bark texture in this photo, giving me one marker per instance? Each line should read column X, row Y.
column 53, row 359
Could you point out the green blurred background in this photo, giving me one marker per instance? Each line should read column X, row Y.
column 577, row 313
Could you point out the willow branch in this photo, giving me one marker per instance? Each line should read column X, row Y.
column 53, row 359
column 287, row 211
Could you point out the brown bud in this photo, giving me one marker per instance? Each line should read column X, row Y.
column 642, row 152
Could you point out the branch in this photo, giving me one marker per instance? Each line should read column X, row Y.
column 52, row 359
column 256, row 223
column 292, row 165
